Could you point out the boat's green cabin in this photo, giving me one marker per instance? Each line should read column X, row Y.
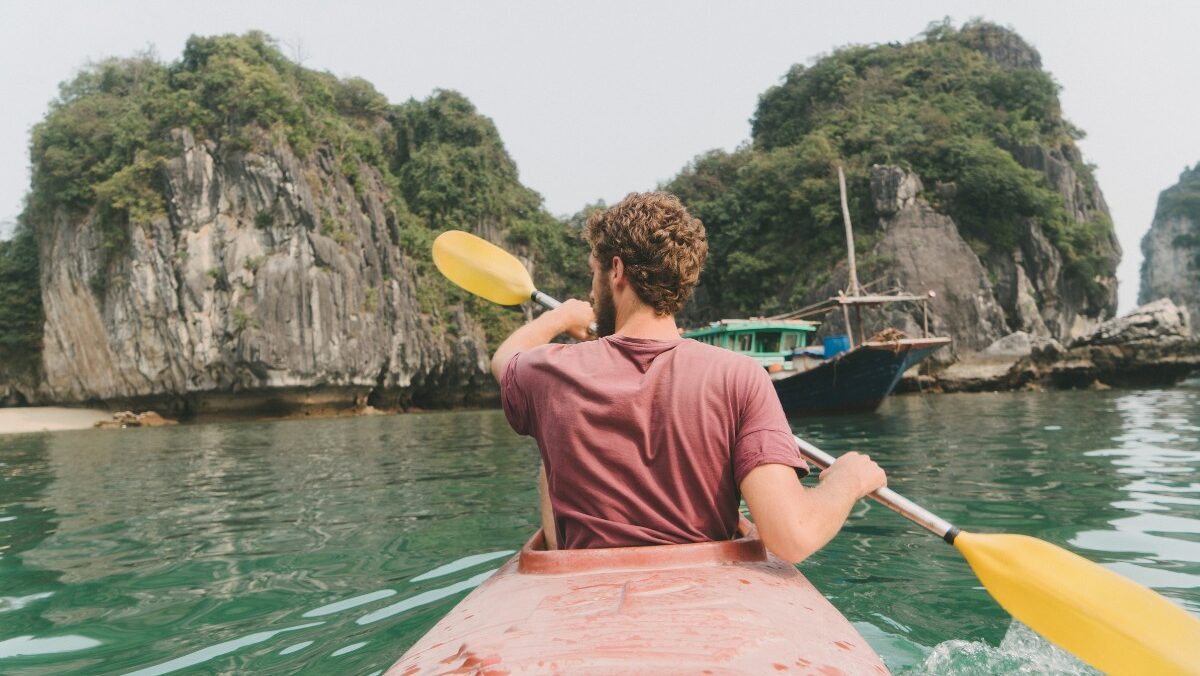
column 768, row 341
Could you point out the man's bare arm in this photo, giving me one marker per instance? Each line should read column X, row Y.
column 572, row 317
column 794, row 521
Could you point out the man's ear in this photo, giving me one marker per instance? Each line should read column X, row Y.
column 618, row 270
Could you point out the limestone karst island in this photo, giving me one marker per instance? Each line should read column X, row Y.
column 388, row 444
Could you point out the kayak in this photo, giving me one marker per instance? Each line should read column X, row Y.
column 712, row 607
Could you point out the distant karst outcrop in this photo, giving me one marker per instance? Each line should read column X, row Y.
column 1171, row 248
column 235, row 232
column 964, row 179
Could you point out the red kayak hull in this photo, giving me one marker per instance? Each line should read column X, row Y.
column 707, row 608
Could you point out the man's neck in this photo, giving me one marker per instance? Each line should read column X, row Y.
column 643, row 322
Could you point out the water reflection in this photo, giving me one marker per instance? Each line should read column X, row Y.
column 1154, row 539
column 207, row 654
column 350, row 603
column 28, row 645
column 462, row 564
column 331, row 546
column 424, row 598
column 25, row 525
column 206, row 544
column 295, row 647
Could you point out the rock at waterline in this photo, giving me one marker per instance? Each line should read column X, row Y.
column 1151, row 346
column 1160, row 320
column 125, row 419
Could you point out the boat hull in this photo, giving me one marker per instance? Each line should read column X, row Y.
column 854, row 381
column 717, row 608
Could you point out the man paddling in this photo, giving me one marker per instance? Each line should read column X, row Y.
column 647, row 438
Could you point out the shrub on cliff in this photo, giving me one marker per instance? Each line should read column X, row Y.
column 952, row 105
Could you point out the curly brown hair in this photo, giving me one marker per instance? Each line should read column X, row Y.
column 662, row 246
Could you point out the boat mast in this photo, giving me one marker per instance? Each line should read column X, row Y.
column 850, row 255
column 849, row 233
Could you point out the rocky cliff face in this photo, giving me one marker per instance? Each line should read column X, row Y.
column 1171, row 248
column 977, row 299
column 270, row 278
column 1031, row 279
column 921, row 250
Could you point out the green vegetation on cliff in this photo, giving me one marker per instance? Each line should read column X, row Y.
column 953, row 106
column 1182, row 200
column 99, row 153
column 20, row 304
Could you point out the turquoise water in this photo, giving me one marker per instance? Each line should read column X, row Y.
column 329, row 546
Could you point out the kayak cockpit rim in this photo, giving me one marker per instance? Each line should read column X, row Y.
column 535, row 559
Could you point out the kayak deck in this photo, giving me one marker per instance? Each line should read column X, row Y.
column 712, row 608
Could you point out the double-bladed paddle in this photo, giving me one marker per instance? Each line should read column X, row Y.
column 1106, row 620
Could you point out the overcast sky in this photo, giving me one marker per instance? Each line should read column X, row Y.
column 595, row 100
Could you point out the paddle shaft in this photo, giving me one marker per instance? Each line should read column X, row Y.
column 889, row 498
column 544, row 300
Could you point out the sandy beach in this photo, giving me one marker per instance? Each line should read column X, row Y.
column 48, row 419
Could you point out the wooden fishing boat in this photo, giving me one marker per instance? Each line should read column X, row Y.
column 852, row 373
column 857, row 380
column 839, row 376
column 842, row 375
column 708, row 608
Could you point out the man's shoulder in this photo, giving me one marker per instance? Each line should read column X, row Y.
column 553, row 356
column 540, row 354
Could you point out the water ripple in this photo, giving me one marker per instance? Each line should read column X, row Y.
column 204, row 655
column 424, row 598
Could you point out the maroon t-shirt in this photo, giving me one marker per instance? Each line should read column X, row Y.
column 646, row 441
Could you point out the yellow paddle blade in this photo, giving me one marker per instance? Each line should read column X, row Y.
column 482, row 268
column 1108, row 621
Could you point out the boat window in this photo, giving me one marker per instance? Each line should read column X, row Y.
column 768, row 341
column 745, row 342
column 790, row 341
